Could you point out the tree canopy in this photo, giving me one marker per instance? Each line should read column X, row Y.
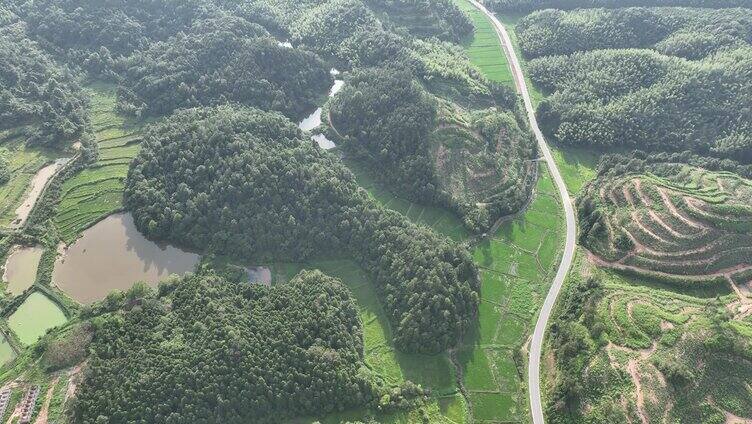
column 215, row 351
column 245, row 183
column 642, row 99
column 225, row 59
column 682, row 32
column 36, row 90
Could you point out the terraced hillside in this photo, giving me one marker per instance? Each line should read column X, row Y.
column 483, row 161
column 97, row 191
column 629, row 351
column 673, row 222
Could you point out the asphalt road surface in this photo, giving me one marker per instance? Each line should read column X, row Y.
column 536, row 343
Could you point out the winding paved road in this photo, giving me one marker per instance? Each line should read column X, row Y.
column 536, row 343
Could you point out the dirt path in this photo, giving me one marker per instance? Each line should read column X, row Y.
column 635, row 374
column 726, row 272
column 43, row 413
column 679, row 214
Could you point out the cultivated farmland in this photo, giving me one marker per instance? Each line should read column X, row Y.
column 517, row 263
column 97, row 191
column 672, row 222
column 484, row 49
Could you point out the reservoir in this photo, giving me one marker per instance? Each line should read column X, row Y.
column 112, row 255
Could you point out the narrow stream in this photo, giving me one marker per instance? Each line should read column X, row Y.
column 313, row 121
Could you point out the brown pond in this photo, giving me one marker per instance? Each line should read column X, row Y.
column 21, row 268
column 113, row 255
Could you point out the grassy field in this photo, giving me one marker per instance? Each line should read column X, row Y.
column 34, row 317
column 7, row 353
column 441, row 220
column 97, row 191
column 484, row 49
column 24, row 162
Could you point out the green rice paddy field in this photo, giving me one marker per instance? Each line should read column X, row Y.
column 97, row 191
column 484, row 49
column 34, row 317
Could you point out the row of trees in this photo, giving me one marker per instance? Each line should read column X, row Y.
column 36, row 90
column 644, row 100
column 247, row 184
column 215, row 351
column 688, row 33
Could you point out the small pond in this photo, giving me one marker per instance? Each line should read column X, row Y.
column 113, row 255
column 313, row 120
column 21, row 268
column 34, row 317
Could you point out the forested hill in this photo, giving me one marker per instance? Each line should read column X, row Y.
column 224, row 59
column 215, row 351
column 34, row 89
column 688, row 33
column 245, row 183
column 664, row 79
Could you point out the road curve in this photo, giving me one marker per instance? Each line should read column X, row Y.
column 536, row 344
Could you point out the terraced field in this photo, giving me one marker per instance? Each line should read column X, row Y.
column 484, row 49
column 689, row 226
column 483, row 160
column 650, row 353
column 24, row 162
column 97, row 191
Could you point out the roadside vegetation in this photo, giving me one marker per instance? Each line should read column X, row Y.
column 527, row 6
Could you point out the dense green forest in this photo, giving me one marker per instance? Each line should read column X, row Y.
column 35, row 90
column 687, row 88
column 225, row 59
column 526, row 6
column 688, row 33
column 247, row 184
column 207, row 350
column 81, row 27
